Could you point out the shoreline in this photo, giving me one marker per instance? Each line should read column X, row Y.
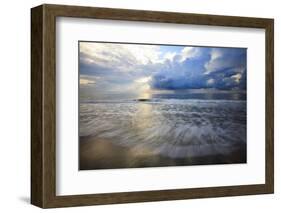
column 98, row 153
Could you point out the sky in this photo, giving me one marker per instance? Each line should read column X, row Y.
column 120, row 70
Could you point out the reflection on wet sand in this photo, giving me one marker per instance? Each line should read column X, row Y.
column 96, row 153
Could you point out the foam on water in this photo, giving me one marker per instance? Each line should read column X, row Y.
column 170, row 127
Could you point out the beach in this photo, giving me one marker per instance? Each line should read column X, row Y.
column 161, row 132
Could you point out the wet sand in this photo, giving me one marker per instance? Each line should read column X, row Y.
column 99, row 153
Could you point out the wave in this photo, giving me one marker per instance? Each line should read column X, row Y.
column 175, row 128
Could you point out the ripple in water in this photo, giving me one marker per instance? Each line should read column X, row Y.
column 162, row 133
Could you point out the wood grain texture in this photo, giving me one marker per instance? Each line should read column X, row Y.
column 43, row 105
column 36, row 106
column 269, row 118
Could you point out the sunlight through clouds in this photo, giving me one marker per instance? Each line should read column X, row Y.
column 134, row 69
column 86, row 81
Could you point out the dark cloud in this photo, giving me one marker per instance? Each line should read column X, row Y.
column 219, row 68
column 116, row 69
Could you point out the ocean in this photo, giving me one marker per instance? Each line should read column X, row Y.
column 165, row 130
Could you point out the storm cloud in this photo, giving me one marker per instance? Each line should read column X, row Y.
column 219, row 68
column 139, row 68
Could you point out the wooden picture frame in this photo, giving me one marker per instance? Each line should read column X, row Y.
column 43, row 105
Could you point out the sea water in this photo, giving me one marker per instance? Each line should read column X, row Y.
column 181, row 127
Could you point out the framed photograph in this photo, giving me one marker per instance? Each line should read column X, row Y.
column 136, row 106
